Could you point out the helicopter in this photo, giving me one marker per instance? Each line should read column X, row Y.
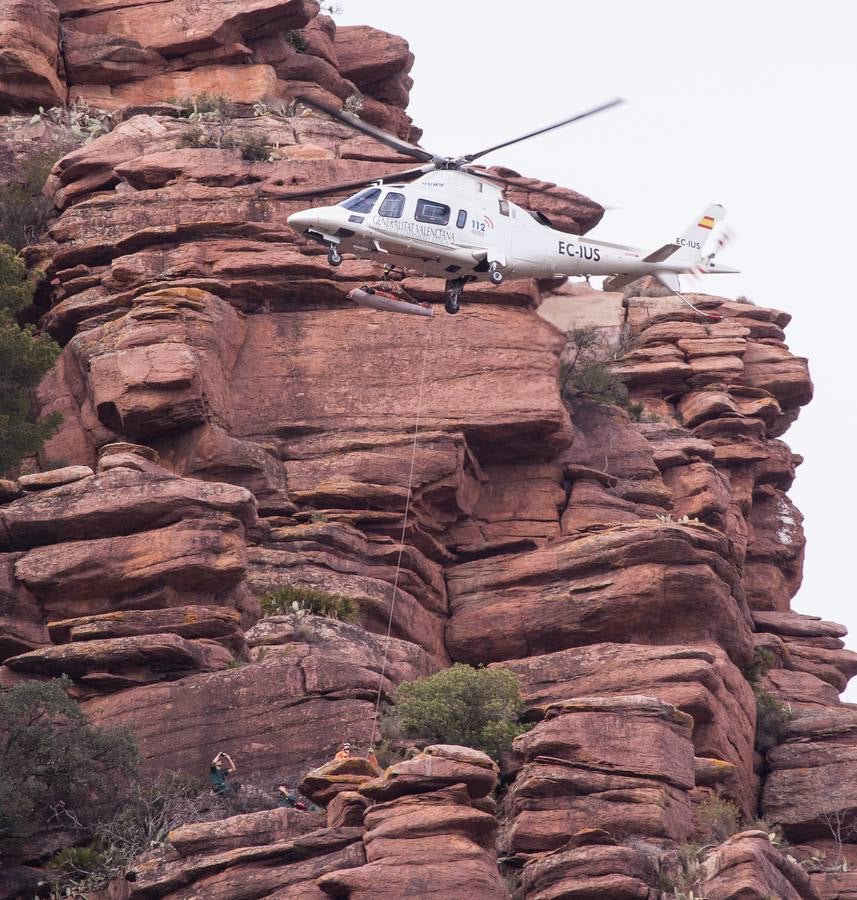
column 449, row 219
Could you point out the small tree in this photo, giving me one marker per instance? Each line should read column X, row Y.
column 24, row 359
column 582, row 374
column 476, row 708
column 51, row 755
column 24, row 211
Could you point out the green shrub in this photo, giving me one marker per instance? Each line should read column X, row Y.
column 296, row 39
column 204, row 106
column 476, row 708
column 148, row 813
column 582, row 374
column 255, row 147
column 772, row 720
column 50, row 756
column 716, row 818
column 762, row 662
column 24, row 211
column 309, row 601
column 24, row 359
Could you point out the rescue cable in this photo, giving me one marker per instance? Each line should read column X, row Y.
column 401, row 541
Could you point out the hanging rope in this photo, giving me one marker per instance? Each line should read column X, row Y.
column 402, row 539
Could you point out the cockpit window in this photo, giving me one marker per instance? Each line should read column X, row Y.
column 393, row 205
column 364, row 201
column 431, row 212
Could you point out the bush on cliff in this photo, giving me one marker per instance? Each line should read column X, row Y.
column 24, row 358
column 52, row 757
column 24, row 211
column 476, row 708
column 583, row 374
column 149, row 811
column 295, row 599
column 772, row 720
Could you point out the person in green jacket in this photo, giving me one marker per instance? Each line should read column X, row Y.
column 222, row 767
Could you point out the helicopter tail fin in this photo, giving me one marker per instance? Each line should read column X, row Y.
column 691, row 242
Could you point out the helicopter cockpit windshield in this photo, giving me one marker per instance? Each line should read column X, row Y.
column 363, row 201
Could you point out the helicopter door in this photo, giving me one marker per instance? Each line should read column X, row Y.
column 501, row 234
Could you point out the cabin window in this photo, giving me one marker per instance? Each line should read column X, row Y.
column 504, row 207
column 392, row 206
column 364, row 201
column 461, row 221
column 431, row 212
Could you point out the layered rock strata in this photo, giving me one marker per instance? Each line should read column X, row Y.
column 232, row 426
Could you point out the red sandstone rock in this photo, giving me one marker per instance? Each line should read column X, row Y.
column 81, row 577
column 346, row 809
column 278, row 717
column 367, row 55
column 22, row 625
column 177, row 28
column 620, row 584
column 249, row 871
column 185, row 621
column 430, row 845
column 748, row 865
column 118, row 502
column 323, row 784
column 577, row 772
column 248, row 830
column 111, row 663
column 98, row 58
column 29, row 55
column 588, row 873
column 438, row 766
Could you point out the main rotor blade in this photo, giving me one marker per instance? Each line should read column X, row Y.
column 577, row 118
column 508, row 182
column 379, row 134
column 407, row 175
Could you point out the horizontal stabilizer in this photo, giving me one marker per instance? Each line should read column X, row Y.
column 661, row 253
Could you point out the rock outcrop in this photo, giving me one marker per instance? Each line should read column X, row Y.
column 233, row 427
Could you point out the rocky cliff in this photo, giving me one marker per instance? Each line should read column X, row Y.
column 231, row 426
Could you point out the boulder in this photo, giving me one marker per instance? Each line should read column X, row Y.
column 323, row 784
column 749, row 865
column 40, row 481
column 438, row 766
column 589, row 873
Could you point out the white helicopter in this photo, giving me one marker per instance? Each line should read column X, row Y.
column 449, row 220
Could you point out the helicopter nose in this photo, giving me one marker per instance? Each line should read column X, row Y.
column 301, row 220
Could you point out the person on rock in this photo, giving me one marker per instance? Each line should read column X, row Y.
column 288, row 798
column 222, row 767
column 370, row 755
column 344, row 751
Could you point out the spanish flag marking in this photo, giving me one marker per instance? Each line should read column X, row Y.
column 706, row 222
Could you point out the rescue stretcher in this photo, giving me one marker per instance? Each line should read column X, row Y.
column 378, row 298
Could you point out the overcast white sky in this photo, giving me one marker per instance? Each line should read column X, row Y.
column 746, row 104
